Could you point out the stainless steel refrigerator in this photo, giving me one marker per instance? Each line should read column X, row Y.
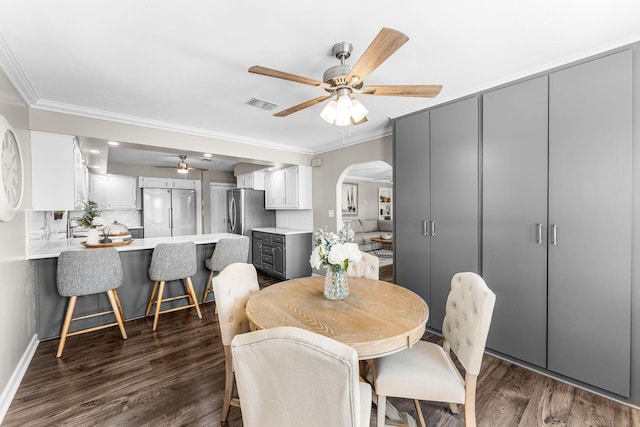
column 246, row 211
column 168, row 212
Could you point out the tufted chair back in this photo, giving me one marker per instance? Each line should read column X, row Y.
column 368, row 267
column 468, row 317
column 232, row 289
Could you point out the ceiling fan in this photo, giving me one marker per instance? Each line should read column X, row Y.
column 341, row 81
column 183, row 167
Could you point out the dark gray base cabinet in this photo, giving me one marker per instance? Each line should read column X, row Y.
column 285, row 256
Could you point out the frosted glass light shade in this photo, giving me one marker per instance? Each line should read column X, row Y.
column 344, row 105
column 330, row 112
column 180, row 170
column 343, row 120
column 358, row 111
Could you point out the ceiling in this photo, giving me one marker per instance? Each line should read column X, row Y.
column 183, row 66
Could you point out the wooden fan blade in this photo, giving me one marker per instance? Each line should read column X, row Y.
column 302, row 106
column 383, row 46
column 422, row 91
column 256, row 69
column 362, row 120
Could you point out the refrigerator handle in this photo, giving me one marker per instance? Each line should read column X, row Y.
column 170, row 217
column 232, row 214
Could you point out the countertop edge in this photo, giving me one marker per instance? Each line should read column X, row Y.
column 278, row 230
column 41, row 249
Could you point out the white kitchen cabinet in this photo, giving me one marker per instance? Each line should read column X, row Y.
column 253, row 180
column 55, row 164
column 150, row 182
column 113, row 192
column 288, row 188
column 274, row 190
column 183, row 184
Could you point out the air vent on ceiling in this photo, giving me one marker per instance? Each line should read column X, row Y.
column 261, row 103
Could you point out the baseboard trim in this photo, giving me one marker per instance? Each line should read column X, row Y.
column 16, row 378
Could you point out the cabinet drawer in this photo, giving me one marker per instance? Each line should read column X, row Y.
column 267, row 268
column 266, row 238
column 257, row 235
column 267, row 249
column 267, row 258
column 277, row 238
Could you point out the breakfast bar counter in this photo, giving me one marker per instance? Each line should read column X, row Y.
column 134, row 292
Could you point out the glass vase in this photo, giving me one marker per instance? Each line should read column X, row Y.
column 336, row 285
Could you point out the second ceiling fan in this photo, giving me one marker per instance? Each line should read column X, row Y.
column 342, row 81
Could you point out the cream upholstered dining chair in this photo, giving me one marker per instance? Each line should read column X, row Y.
column 426, row 371
column 232, row 289
column 368, row 267
column 227, row 251
column 290, row 377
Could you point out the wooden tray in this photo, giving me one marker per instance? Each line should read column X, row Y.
column 107, row 245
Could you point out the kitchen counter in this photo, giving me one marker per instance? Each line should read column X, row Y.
column 283, row 231
column 134, row 291
column 39, row 249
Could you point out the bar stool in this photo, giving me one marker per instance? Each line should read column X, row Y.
column 173, row 261
column 89, row 272
column 227, row 251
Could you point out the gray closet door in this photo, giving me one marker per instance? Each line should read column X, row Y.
column 590, row 204
column 454, row 199
column 411, row 192
column 514, row 220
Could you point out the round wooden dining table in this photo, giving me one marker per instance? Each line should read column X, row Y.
column 376, row 319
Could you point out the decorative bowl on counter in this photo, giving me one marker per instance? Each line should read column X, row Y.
column 116, row 232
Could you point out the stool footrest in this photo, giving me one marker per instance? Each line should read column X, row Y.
column 182, row 307
column 172, row 298
column 89, row 316
column 95, row 328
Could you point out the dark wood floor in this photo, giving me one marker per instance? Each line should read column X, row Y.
column 175, row 376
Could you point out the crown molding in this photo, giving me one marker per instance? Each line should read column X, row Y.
column 18, row 78
column 92, row 113
column 365, row 137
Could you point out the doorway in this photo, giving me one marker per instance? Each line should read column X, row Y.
column 218, row 200
column 364, row 195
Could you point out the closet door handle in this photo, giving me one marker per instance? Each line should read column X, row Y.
column 433, row 228
column 554, row 235
column 425, row 228
column 539, row 239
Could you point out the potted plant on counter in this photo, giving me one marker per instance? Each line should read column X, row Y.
column 92, row 220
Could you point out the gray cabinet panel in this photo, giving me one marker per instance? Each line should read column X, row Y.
column 590, row 202
column 454, row 199
column 283, row 256
column 412, row 194
column 514, row 255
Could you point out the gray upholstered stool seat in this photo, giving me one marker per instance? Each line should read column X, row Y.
column 88, row 272
column 172, row 261
column 227, row 251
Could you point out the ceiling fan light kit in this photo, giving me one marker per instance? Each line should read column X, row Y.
column 342, row 81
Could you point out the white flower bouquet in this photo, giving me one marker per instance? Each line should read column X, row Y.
column 334, row 251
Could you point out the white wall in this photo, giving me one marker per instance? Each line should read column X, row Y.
column 17, row 305
column 334, row 163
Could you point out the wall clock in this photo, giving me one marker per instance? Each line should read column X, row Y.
column 12, row 172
